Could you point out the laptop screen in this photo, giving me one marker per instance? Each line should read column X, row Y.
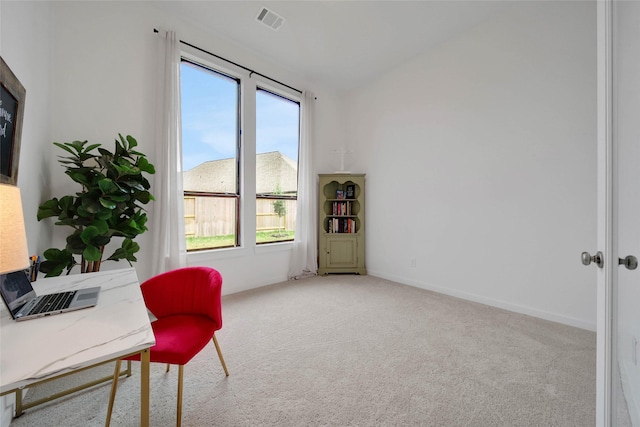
column 16, row 289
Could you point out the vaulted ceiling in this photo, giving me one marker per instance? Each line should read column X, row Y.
column 341, row 44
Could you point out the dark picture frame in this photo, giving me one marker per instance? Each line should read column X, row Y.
column 12, row 96
column 350, row 192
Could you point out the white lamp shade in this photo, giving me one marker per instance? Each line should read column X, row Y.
column 13, row 237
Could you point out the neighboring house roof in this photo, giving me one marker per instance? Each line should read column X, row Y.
column 272, row 169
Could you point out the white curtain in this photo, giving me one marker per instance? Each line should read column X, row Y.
column 304, row 258
column 167, row 220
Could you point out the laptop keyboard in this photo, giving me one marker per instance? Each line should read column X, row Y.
column 52, row 302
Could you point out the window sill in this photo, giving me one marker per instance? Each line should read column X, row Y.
column 213, row 254
column 273, row 247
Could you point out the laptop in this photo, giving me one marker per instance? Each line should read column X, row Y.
column 24, row 304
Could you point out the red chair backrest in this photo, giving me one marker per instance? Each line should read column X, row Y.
column 189, row 290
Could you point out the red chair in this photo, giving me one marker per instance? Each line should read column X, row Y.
column 186, row 303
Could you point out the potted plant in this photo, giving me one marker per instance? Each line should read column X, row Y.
column 114, row 188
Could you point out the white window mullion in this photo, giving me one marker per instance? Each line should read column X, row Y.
column 248, row 162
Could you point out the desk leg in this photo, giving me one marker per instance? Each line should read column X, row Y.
column 144, row 388
column 18, row 403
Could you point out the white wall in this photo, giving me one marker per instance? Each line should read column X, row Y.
column 102, row 84
column 25, row 34
column 480, row 162
column 25, row 46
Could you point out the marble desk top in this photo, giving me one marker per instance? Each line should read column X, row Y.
column 43, row 348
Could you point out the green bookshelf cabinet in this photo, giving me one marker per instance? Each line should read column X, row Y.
column 341, row 224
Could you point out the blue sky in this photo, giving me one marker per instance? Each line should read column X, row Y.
column 209, row 125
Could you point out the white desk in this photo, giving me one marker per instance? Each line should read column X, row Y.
column 39, row 350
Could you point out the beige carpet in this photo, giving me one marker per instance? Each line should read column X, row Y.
column 360, row 351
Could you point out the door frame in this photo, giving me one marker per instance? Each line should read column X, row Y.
column 605, row 188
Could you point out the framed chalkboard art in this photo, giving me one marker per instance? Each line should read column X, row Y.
column 12, row 95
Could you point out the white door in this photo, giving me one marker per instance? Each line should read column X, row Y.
column 618, row 384
column 626, row 213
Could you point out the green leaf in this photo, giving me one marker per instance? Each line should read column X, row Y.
column 54, row 254
column 120, row 146
column 78, row 177
column 131, row 140
column 56, row 261
column 145, row 166
column 120, row 171
column 66, row 203
column 117, row 255
column 91, row 206
column 65, row 148
column 51, row 268
column 145, row 183
column 48, row 209
column 101, row 241
column 105, row 153
column 134, row 184
column 104, row 214
column 69, row 162
column 77, row 145
column 107, row 186
column 101, row 226
column 107, row 203
column 91, row 147
column 143, row 197
column 119, row 197
column 92, row 253
column 126, row 251
column 130, row 245
column 83, row 212
column 89, row 233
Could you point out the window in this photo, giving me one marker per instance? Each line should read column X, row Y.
column 212, row 172
column 210, row 156
column 277, row 141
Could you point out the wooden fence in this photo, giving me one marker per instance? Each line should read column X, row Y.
column 214, row 216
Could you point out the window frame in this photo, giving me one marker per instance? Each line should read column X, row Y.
column 238, row 149
column 296, row 100
column 246, row 153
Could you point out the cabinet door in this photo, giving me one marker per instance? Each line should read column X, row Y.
column 342, row 252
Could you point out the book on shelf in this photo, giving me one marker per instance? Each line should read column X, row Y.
column 341, row 208
column 341, row 225
column 339, row 194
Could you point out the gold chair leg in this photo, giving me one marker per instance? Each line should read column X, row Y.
column 128, row 368
column 179, row 410
column 168, row 367
column 224, row 365
column 114, row 389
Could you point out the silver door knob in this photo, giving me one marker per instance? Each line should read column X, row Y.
column 630, row 262
column 598, row 259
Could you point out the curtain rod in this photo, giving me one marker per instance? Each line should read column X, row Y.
column 236, row 64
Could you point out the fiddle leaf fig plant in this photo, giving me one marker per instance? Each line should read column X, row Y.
column 114, row 188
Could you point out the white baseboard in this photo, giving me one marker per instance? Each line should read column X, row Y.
column 529, row 311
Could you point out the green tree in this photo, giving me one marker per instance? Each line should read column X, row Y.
column 279, row 207
column 109, row 205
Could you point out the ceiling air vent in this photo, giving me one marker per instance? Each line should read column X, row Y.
column 270, row 18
